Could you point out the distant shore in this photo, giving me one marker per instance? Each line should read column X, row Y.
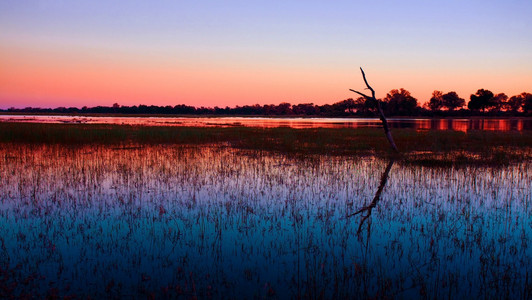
column 487, row 116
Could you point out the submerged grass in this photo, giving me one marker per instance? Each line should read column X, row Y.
column 170, row 221
column 438, row 148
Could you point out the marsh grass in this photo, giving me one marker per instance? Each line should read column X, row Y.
column 113, row 211
column 426, row 147
column 211, row 221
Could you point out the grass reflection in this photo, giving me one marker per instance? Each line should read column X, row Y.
column 182, row 220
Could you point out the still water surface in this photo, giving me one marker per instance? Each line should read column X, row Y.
column 514, row 124
column 219, row 222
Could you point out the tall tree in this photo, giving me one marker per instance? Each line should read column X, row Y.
column 364, row 106
column 344, row 107
column 304, row 109
column 452, row 101
column 436, row 101
column 515, row 103
column 283, row 108
column 400, row 102
column 481, row 100
column 527, row 105
column 498, row 102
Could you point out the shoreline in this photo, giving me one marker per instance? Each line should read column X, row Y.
column 114, row 115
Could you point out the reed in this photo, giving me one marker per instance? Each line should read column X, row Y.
column 171, row 220
column 421, row 147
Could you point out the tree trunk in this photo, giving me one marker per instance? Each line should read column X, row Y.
column 379, row 110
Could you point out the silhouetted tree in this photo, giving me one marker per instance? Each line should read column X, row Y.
column 527, row 105
column 256, row 109
column 268, row 109
column 382, row 117
column 326, row 110
column 307, row 109
column 515, row 103
column 436, row 101
column 481, row 100
column 184, row 109
column 345, row 107
column 452, row 101
column 400, row 102
column 498, row 102
column 365, row 107
column 283, row 109
column 397, row 102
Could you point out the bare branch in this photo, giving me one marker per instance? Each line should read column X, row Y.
column 379, row 109
column 361, row 94
column 367, row 84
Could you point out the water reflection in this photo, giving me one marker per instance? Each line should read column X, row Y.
column 366, row 210
column 420, row 124
column 169, row 221
column 473, row 124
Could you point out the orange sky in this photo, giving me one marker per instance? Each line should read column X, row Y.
column 60, row 79
column 69, row 59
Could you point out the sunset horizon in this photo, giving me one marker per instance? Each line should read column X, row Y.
column 60, row 54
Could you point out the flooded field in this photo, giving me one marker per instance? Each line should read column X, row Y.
column 458, row 124
column 214, row 221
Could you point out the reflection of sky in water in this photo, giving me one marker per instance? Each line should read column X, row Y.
column 215, row 221
column 419, row 124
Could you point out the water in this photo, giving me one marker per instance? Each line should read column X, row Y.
column 170, row 221
column 514, row 124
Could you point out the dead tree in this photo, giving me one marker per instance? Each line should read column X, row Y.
column 379, row 109
column 366, row 211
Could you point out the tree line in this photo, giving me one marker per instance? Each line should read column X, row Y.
column 398, row 102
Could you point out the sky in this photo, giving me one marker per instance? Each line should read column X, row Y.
column 226, row 53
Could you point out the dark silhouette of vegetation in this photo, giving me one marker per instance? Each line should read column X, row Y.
column 452, row 101
column 436, row 101
column 398, row 102
column 377, row 103
column 481, row 100
column 527, row 106
column 498, row 102
column 515, row 103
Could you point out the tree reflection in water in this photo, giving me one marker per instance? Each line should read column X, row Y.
column 366, row 210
